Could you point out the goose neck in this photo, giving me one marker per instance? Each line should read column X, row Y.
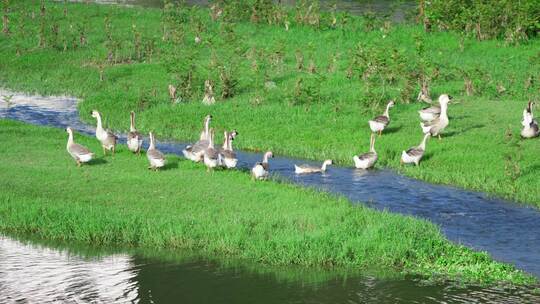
column 132, row 123
column 423, row 143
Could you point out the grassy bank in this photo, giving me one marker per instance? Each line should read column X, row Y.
column 317, row 113
column 116, row 200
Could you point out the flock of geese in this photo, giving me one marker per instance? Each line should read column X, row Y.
column 434, row 120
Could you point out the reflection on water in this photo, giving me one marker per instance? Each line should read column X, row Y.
column 465, row 217
column 33, row 273
column 396, row 9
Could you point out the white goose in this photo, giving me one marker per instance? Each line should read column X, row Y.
column 106, row 137
column 211, row 156
column 437, row 125
column 530, row 125
column 261, row 169
column 196, row 151
column 367, row 160
column 306, row 169
column 80, row 153
column 155, row 157
column 415, row 154
column 134, row 138
column 380, row 122
column 229, row 159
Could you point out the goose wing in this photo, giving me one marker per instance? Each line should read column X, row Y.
column 211, row 153
column 155, row 154
column 201, row 145
column 415, row 151
column 79, row 149
column 228, row 154
column 381, row 119
column 432, row 123
column 431, row 110
column 367, row 155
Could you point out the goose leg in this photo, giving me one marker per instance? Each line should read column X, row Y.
column 78, row 163
column 440, row 137
column 104, row 151
column 113, row 149
column 380, row 133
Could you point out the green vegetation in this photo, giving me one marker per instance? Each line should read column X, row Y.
column 307, row 91
column 506, row 19
column 117, row 201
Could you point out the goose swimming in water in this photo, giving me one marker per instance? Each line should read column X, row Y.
column 367, row 160
column 378, row 123
column 305, row 169
column 261, row 169
column 80, row 153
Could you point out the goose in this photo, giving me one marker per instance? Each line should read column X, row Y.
column 211, row 156
column 229, row 159
column 80, row 153
column 155, row 157
column 367, row 160
column 415, row 154
column 260, row 170
column 528, row 114
column 306, row 169
column 380, row 122
column 437, row 125
column 431, row 113
column 195, row 152
column 134, row 138
column 106, row 137
column 530, row 125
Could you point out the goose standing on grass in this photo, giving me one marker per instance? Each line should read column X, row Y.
column 380, row 122
column 437, row 125
column 229, row 159
column 415, row 154
column 105, row 137
column 155, row 157
column 305, row 169
column 433, row 112
column 367, row 160
column 196, row 152
column 261, row 169
column 80, row 153
column 530, row 125
column 211, row 156
column 134, row 138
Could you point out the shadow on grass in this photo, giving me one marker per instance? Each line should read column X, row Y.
column 392, row 130
column 97, row 162
column 453, row 133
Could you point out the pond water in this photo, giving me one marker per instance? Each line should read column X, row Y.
column 397, row 10
column 43, row 273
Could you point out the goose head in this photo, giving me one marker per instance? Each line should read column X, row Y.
column 390, row 104
column 268, row 155
column 327, row 162
column 445, row 99
column 95, row 114
column 233, row 134
column 69, row 130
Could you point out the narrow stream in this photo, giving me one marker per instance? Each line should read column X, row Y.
column 37, row 273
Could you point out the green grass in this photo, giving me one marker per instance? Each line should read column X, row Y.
column 117, row 201
column 481, row 149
